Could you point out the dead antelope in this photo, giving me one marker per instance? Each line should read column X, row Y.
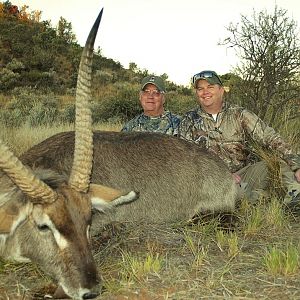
column 176, row 179
column 45, row 216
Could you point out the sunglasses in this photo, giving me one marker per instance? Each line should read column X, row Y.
column 155, row 93
column 204, row 75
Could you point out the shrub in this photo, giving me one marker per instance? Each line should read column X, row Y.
column 179, row 103
column 11, row 118
column 30, row 106
column 8, row 79
column 67, row 116
column 123, row 106
column 103, row 77
column 43, row 114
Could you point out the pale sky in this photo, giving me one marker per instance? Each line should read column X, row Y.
column 176, row 37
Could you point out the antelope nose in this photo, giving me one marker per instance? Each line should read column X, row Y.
column 90, row 295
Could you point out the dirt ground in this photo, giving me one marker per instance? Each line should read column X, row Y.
column 193, row 264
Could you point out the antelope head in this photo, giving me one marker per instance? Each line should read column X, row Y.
column 45, row 217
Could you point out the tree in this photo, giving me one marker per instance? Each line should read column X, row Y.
column 133, row 67
column 65, row 31
column 268, row 75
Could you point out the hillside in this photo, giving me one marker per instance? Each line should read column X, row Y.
column 32, row 53
column 38, row 72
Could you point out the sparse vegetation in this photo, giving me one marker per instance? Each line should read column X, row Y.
column 258, row 258
column 282, row 261
column 183, row 262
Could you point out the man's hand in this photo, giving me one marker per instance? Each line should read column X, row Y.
column 297, row 175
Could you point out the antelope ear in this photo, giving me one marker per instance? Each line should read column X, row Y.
column 6, row 222
column 12, row 214
column 104, row 197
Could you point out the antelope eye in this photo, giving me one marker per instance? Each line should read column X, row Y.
column 43, row 227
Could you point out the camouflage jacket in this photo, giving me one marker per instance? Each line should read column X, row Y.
column 232, row 134
column 167, row 123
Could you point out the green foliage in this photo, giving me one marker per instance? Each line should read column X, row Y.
column 102, row 63
column 103, row 77
column 8, row 79
column 227, row 241
column 65, row 31
column 15, row 64
column 123, row 106
column 278, row 261
column 268, row 76
column 68, row 114
column 138, row 269
column 34, row 54
column 28, row 106
column 43, row 113
column 179, row 103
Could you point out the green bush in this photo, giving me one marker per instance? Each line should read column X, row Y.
column 103, row 77
column 43, row 114
column 30, row 106
column 8, row 79
column 12, row 118
column 179, row 103
column 115, row 108
column 67, row 116
column 122, row 106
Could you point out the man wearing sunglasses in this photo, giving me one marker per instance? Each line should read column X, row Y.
column 229, row 131
column 154, row 117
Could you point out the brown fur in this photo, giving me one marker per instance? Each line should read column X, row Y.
column 176, row 179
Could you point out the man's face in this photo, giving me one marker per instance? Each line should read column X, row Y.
column 152, row 100
column 209, row 95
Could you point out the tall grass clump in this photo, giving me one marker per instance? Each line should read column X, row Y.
column 274, row 165
column 67, row 115
column 137, row 269
column 227, row 242
column 275, row 215
column 195, row 248
column 43, row 113
column 282, row 261
column 263, row 216
column 289, row 126
column 253, row 220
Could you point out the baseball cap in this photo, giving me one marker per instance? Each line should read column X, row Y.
column 210, row 76
column 156, row 80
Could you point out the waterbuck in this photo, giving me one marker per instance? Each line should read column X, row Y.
column 176, row 179
column 45, row 216
column 46, row 197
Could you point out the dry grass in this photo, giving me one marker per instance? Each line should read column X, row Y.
column 258, row 258
column 29, row 136
column 184, row 261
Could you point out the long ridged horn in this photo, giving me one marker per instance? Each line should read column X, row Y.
column 83, row 152
column 24, row 178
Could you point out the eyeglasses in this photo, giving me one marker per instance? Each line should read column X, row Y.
column 155, row 93
column 206, row 74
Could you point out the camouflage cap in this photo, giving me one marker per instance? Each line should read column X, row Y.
column 156, row 80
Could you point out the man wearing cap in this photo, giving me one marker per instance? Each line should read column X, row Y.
column 229, row 131
column 154, row 118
